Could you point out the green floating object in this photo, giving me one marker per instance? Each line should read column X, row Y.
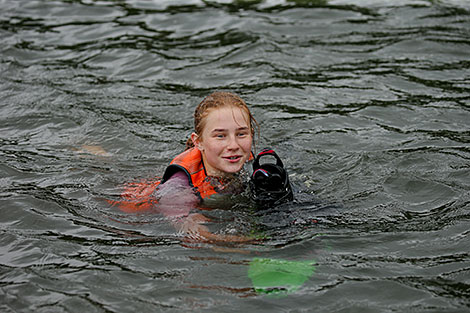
column 271, row 276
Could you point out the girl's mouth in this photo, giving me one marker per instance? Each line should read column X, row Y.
column 234, row 158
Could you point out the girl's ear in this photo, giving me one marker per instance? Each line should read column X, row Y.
column 197, row 141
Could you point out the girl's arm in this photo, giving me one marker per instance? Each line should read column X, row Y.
column 176, row 199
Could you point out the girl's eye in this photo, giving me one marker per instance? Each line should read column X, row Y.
column 242, row 134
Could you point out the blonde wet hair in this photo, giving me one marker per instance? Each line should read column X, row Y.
column 217, row 100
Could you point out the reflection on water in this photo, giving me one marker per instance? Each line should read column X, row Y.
column 367, row 103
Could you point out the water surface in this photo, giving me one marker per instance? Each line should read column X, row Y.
column 367, row 102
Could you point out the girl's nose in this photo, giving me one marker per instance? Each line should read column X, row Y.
column 233, row 143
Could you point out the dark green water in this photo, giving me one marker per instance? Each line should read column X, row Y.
column 368, row 103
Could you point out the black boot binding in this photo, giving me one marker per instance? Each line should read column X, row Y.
column 269, row 183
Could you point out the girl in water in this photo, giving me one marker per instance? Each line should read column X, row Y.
column 215, row 153
column 219, row 147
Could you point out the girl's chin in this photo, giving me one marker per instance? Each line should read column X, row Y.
column 226, row 170
column 235, row 168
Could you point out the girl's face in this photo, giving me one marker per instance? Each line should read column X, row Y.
column 225, row 142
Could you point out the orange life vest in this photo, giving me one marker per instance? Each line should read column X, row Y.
column 190, row 163
column 138, row 196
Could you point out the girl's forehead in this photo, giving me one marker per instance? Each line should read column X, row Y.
column 228, row 114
